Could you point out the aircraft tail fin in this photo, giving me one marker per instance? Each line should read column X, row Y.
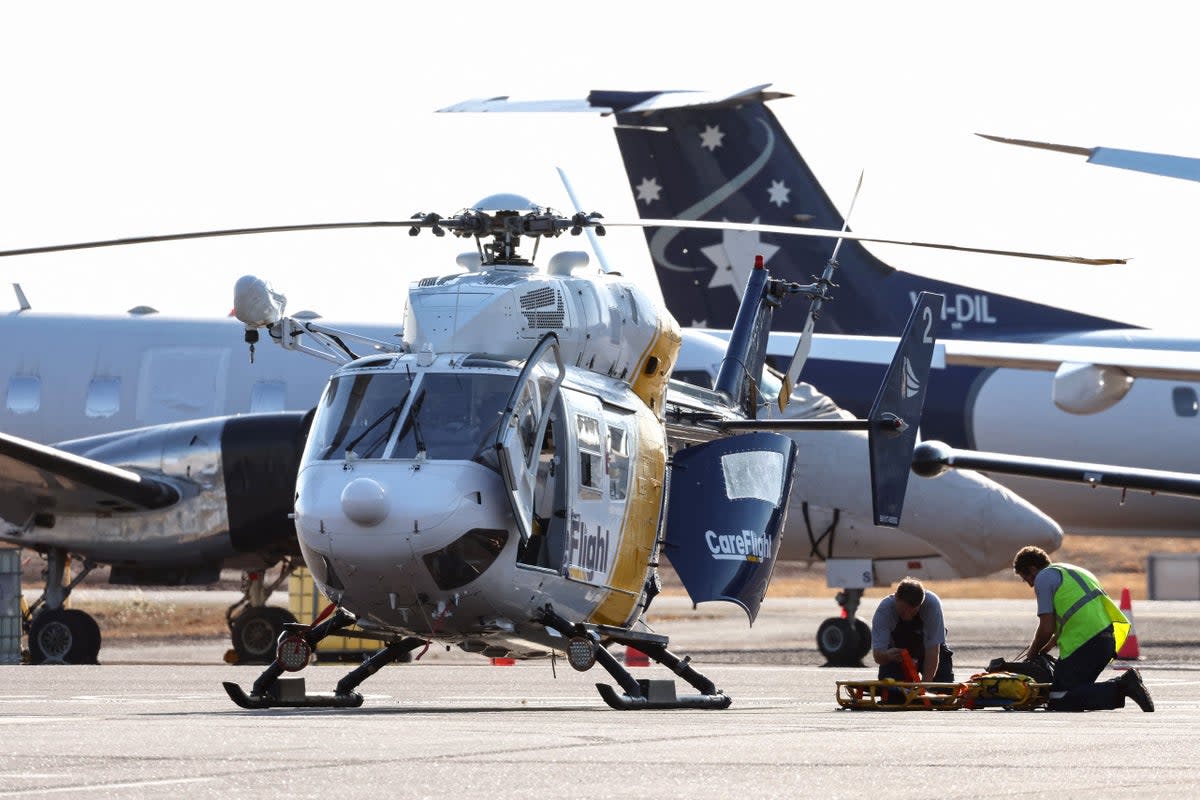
column 892, row 432
column 724, row 156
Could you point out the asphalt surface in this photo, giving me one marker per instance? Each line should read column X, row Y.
column 152, row 720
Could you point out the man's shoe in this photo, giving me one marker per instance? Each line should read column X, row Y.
column 1135, row 690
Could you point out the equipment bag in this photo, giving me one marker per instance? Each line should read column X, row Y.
column 1040, row 668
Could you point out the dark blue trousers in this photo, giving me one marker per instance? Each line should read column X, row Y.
column 1076, row 675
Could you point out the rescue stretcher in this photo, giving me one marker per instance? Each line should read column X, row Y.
column 988, row 690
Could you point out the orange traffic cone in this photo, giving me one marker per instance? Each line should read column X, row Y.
column 636, row 658
column 1129, row 651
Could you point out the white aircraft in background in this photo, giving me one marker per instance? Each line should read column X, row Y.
column 1018, row 376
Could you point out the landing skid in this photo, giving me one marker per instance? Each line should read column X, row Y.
column 270, row 691
column 283, row 699
column 643, row 694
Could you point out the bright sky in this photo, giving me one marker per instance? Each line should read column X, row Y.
column 128, row 118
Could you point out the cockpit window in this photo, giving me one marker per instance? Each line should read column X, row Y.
column 357, row 414
column 454, row 415
column 446, row 415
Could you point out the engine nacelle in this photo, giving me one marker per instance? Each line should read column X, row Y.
column 1089, row 388
column 236, row 477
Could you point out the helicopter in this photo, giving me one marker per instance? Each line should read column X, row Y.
column 507, row 477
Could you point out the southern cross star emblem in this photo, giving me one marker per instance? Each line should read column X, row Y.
column 734, row 258
column 710, row 138
column 779, row 193
column 648, row 190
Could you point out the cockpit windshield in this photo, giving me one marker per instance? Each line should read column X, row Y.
column 357, row 414
column 454, row 414
column 445, row 415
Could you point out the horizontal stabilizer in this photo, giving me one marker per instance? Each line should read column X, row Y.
column 896, row 414
column 931, row 459
column 609, row 102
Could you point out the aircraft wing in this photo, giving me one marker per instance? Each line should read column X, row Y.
column 1168, row 166
column 35, row 478
column 1137, row 362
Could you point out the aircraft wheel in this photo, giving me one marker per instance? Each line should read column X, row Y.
column 864, row 637
column 256, row 632
column 64, row 636
column 837, row 639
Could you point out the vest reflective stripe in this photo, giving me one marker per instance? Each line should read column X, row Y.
column 1082, row 610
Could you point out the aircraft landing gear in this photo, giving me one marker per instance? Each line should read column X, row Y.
column 269, row 691
column 642, row 694
column 60, row 635
column 257, row 628
column 63, row 636
column 844, row 641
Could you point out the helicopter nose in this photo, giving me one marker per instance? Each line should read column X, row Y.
column 365, row 502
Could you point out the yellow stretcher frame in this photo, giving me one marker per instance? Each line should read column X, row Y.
column 890, row 695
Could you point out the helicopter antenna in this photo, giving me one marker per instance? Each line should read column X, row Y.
column 823, row 284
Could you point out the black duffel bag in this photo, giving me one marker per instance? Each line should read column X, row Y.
column 1040, row 668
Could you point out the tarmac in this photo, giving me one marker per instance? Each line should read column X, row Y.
column 152, row 720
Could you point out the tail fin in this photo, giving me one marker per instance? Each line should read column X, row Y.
column 901, row 397
column 725, row 157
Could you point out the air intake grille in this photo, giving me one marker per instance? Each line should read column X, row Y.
column 543, row 308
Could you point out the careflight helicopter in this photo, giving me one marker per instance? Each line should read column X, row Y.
column 506, row 477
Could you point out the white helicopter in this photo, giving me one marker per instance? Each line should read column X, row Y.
column 506, row 477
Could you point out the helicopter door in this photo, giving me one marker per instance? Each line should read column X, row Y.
column 523, row 427
column 725, row 515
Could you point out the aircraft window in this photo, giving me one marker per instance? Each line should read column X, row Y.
column 357, row 414
column 696, row 377
column 24, row 394
column 268, row 396
column 618, row 462
column 1186, row 402
column 757, row 474
column 591, row 462
column 455, row 415
column 103, row 397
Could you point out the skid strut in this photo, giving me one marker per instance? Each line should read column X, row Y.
column 269, row 691
column 642, row 694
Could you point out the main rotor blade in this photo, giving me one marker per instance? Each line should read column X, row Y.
column 821, row 232
column 172, row 237
column 644, row 223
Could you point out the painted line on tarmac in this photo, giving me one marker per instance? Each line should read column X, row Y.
column 93, row 787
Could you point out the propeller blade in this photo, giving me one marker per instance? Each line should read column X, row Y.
column 820, row 232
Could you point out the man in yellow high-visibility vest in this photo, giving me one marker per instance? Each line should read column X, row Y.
column 1074, row 612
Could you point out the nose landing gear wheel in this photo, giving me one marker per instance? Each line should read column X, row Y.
column 256, row 631
column 64, row 636
column 843, row 642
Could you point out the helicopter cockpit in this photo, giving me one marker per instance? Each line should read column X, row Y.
column 387, row 409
